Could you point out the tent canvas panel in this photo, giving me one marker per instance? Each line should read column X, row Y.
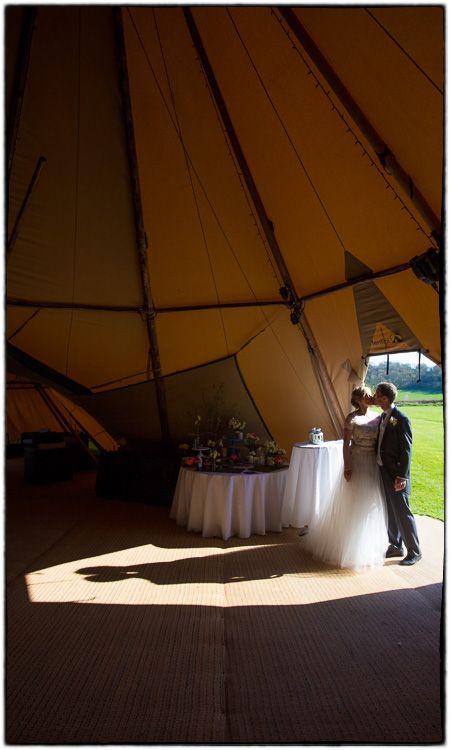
column 28, row 411
column 214, row 390
column 419, row 36
column 73, row 122
column 303, row 205
column 277, row 369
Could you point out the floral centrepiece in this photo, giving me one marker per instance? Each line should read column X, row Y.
column 236, row 424
column 275, row 456
column 230, row 450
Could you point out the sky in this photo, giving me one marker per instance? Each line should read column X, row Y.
column 410, row 358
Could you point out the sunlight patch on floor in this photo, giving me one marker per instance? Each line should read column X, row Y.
column 242, row 575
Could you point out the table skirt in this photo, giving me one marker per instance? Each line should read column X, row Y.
column 313, row 473
column 225, row 505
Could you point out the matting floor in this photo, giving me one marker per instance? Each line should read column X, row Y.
column 123, row 627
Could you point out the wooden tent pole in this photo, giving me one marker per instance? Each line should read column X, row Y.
column 77, row 421
column 141, row 239
column 33, row 182
column 23, row 58
column 63, row 421
column 331, row 400
column 20, row 302
column 387, row 159
column 46, row 373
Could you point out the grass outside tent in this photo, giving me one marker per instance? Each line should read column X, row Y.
column 427, row 469
column 405, row 396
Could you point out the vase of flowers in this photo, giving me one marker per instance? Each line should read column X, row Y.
column 196, row 441
column 237, row 426
column 215, row 453
column 274, row 455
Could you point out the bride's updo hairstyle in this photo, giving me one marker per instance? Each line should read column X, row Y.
column 358, row 394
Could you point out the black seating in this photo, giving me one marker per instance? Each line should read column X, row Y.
column 143, row 472
column 46, row 458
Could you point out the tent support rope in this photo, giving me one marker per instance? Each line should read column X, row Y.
column 334, row 408
column 141, row 239
column 386, row 157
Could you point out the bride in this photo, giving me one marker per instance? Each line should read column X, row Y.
column 352, row 530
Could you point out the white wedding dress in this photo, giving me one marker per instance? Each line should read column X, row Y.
column 352, row 530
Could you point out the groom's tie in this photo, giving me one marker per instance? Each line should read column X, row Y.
column 380, row 437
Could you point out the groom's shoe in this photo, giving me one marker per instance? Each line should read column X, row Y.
column 411, row 558
column 393, row 551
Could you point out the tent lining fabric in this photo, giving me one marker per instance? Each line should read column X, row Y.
column 405, row 52
column 385, row 156
column 212, row 271
column 189, row 162
column 324, row 381
column 291, row 142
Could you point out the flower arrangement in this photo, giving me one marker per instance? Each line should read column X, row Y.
column 393, row 421
column 213, row 449
column 215, row 452
column 275, row 456
column 236, row 424
column 190, row 461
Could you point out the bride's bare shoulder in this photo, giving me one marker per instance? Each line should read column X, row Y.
column 350, row 420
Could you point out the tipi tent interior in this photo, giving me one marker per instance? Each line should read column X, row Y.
column 171, row 169
column 227, row 207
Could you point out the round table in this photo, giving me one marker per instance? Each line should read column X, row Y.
column 313, row 473
column 227, row 504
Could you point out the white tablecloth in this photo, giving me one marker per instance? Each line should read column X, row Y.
column 227, row 505
column 313, row 472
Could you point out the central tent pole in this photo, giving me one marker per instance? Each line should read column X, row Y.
column 324, row 380
column 141, row 239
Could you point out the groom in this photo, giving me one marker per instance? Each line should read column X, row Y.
column 394, row 459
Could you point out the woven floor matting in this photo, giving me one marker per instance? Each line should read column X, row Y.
column 123, row 627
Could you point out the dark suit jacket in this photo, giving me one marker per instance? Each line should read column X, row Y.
column 396, row 445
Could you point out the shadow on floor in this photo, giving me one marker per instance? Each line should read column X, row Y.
column 245, row 564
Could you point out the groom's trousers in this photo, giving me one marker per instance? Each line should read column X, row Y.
column 401, row 522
